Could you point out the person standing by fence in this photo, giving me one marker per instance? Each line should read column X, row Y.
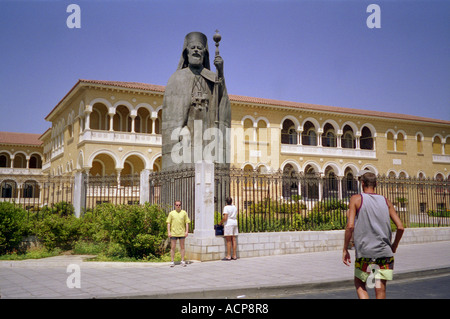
column 369, row 218
column 177, row 228
column 230, row 231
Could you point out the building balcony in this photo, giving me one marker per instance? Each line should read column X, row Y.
column 111, row 137
column 20, row 171
column 441, row 159
column 327, row 151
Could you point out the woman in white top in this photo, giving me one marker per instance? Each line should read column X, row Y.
column 230, row 232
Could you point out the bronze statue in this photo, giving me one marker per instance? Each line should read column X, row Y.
column 196, row 107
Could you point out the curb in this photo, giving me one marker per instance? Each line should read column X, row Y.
column 261, row 292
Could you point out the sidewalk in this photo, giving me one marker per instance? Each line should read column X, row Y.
column 250, row 277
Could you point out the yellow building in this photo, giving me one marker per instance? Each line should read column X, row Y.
column 20, row 155
column 113, row 128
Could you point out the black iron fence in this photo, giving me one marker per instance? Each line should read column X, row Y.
column 114, row 189
column 285, row 201
column 419, row 202
column 32, row 192
column 273, row 201
column 167, row 187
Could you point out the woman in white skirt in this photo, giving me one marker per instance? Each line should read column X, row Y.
column 230, row 231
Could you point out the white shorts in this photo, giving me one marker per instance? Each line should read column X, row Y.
column 230, row 230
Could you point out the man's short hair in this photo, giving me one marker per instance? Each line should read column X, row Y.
column 369, row 179
column 229, row 200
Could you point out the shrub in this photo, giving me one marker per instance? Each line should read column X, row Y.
column 12, row 227
column 82, row 247
column 330, row 204
column 132, row 230
column 58, row 231
column 438, row 213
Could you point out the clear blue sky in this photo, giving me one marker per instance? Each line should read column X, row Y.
column 319, row 52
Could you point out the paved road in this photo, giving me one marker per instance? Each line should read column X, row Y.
column 258, row 277
column 434, row 287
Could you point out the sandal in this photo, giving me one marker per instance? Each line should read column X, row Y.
column 226, row 259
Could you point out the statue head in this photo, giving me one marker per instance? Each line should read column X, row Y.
column 195, row 51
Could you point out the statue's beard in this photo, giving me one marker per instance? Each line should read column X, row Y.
column 196, row 60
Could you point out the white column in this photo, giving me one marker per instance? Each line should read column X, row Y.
column 204, row 200
column 133, row 117
column 79, row 193
column 144, row 191
column 111, row 121
column 321, row 186
column 153, row 125
column 87, row 121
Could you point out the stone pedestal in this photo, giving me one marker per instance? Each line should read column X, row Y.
column 204, row 199
column 79, row 193
column 199, row 244
column 144, row 191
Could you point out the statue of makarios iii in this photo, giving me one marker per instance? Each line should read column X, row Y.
column 196, row 109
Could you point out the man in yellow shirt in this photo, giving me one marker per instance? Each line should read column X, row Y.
column 177, row 228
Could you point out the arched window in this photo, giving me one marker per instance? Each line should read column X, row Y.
column 290, row 182
column 35, row 161
column 437, row 145
column 261, row 131
column 99, row 117
column 329, row 137
column 400, row 142
column 248, row 130
column 310, row 185
column 4, row 160
column 330, row 184
column 366, row 139
column 309, row 135
column 8, row 189
column 390, row 141
column 419, row 143
column 120, row 119
column 20, row 161
column 349, row 183
column 30, row 189
column 288, row 132
column 348, row 137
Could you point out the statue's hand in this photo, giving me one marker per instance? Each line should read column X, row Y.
column 218, row 63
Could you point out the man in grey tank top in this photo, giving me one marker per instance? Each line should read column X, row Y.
column 369, row 221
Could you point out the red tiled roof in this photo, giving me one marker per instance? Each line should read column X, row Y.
column 334, row 109
column 128, row 85
column 264, row 101
column 20, row 138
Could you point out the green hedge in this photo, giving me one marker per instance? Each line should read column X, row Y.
column 132, row 231
column 439, row 213
column 273, row 216
column 12, row 227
